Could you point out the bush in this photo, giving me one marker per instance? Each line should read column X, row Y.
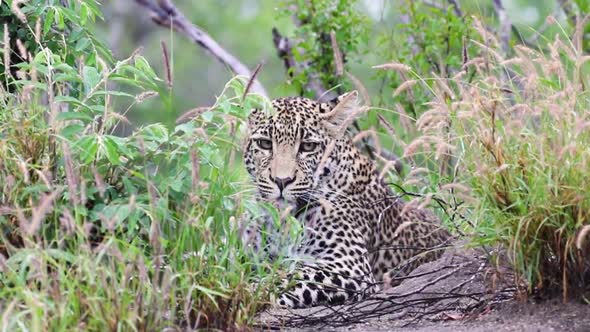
column 102, row 232
column 518, row 134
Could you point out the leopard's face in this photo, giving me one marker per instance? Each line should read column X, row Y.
column 284, row 150
column 287, row 152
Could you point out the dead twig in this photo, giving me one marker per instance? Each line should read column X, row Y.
column 425, row 300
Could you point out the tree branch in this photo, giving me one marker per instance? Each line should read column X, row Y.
column 456, row 8
column 505, row 26
column 164, row 13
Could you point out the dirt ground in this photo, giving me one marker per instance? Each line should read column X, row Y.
column 460, row 292
column 548, row 316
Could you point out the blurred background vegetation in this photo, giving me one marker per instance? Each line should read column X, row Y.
column 108, row 202
column 243, row 27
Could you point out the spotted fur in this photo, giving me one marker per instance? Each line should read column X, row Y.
column 355, row 229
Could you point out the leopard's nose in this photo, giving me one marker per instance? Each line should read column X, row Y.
column 283, row 182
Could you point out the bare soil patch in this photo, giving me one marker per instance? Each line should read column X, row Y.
column 459, row 292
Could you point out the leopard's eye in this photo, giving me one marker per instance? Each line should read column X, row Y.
column 264, row 143
column 308, row 146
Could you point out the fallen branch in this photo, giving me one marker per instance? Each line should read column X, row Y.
column 164, row 13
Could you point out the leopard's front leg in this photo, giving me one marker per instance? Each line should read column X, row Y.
column 318, row 283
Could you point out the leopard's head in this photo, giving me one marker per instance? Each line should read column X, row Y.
column 290, row 150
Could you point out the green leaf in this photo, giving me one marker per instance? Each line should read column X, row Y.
column 211, row 293
column 83, row 14
column 114, row 93
column 48, row 20
column 74, row 116
column 207, row 116
column 87, row 147
column 82, row 44
column 91, row 78
column 142, row 64
column 72, row 130
column 70, row 100
column 59, row 20
column 111, row 150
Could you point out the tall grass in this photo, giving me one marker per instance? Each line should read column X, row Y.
column 101, row 232
column 516, row 130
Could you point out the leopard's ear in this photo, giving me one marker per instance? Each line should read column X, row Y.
column 338, row 113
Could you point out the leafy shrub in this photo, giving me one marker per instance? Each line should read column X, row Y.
column 433, row 42
column 315, row 22
column 102, row 232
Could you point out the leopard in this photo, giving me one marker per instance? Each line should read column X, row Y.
column 360, row 236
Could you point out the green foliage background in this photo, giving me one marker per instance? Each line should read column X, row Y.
column 115, row 215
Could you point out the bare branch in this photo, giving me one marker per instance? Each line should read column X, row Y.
column 505, row 26
column 456, row 8
column 165, row 14
column 251, row 80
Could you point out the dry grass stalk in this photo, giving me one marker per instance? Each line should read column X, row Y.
column 195, row 170
column 6, row 51
column 405, row 120
column 358, row 85
column 99, row 182
column 39, row 212
column 67, row 222
column 399, row 67
column 38, row 31
column 191, row 114
column 167, row 66
column 145, row 96
column 22, row 50
column 71, row 176
column 15, row 8
column 22, row 165
column 337, row 54
column 404, row 86
column 120, row 117
column 372, row 134
column 581, row 238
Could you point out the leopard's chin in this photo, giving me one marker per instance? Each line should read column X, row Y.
column 283, row 204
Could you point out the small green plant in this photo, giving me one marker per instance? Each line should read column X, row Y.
column 318, row 22
column 433, row 42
